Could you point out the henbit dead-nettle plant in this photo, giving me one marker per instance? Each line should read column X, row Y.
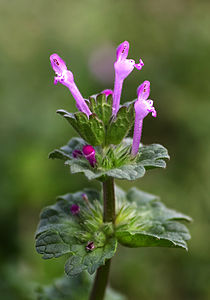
column 87, row 226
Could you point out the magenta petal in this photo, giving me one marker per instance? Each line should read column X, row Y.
column 124, row 68
column 57, row 63
column 139, row 65
column 122, row 50
column 143, row 90
column 154, row 113
column 89, row 153
column 88, row 150
column 77, row 153
column 55, row 80
column 142, row 108
column 107, row 92
column 75, row 209
column 65, row 77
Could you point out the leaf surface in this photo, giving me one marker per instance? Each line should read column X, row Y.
column 60, row 233
column 144, row 221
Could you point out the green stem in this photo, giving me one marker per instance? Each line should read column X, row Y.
column 109, row 200
column 102, row 274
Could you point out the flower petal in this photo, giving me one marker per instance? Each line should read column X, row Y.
column 107, row 92
column 57, row 63
column 143, row 90
column 122, row 50
column 139, row 65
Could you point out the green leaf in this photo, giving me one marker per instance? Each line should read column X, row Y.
column 74, row 288
column 102, row 107
column 59, row 233
column 115, row 162
column 152, row 156
column 81, row 261
column 120, row 127
column 143, row 221
column 91, row 130
column 66, row 151
column 101, row 128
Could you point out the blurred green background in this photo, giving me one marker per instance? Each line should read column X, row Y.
column 173, row 38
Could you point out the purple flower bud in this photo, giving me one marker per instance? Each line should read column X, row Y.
column 85, row 197
column 107, row 92
column 89, row 153
column 77, row 153
column 65, row 77
column 75, row 209
column 90, row 246
column 142, row 108
column 123, row 67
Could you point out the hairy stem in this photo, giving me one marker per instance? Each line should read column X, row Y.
column 102, row 274
column 109, row 200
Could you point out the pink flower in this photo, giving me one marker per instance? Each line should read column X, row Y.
column 75, row 209
column 142, row 107
column 89, row 154
column 65, row 77
column 123, row 67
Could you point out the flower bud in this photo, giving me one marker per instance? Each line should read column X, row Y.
column 75, row 209
column 77, row 153
column 89, row 154
column 90, row 246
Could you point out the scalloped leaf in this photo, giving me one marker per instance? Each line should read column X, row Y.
column 66, row 151
column 91, row 130
column 101, row 128
column 59, row 233
column 116, row 162
column 81, row 261
column 144, row 221
column 76, row 288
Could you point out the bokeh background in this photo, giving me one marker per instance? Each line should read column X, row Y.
column 173, row 38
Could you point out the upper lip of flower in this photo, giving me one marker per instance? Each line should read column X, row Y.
column 122, row 50
column 58, row 64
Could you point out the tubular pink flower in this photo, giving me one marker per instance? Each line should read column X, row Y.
column 89, row 154
column 123, row 67
column 65, row 77
column 142, row 108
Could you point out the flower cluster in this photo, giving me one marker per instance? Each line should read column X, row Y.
column 123, row 67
